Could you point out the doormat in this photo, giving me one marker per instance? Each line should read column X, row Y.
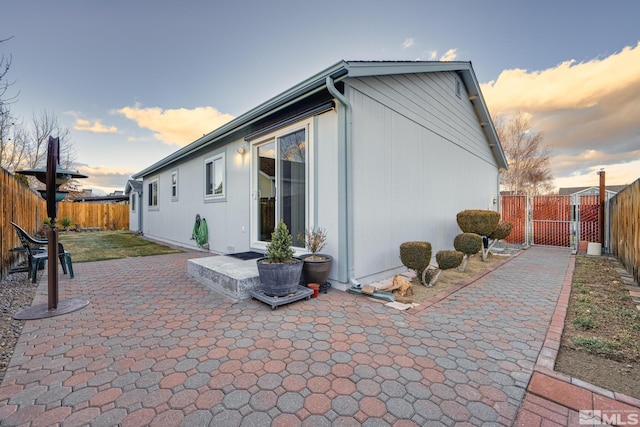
column 245, row 256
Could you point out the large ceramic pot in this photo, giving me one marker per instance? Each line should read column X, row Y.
column 279, row 279
column 316, row 268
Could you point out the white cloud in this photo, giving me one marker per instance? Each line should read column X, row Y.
column 588, row 111
column 104, row 178
column 95, row 127
column 407, row 43
column 449, row 55
column 176, row 126
column 615, row 174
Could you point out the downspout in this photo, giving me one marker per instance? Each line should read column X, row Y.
column 348, row 181
column 498, row 196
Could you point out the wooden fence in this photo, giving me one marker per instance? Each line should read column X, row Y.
column 22, row 206
column 27, row 209
column 106, row 216
column 624, row 229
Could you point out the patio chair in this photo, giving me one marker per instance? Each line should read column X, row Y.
column 36, row 252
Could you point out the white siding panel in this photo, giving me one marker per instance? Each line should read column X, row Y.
column 410, row 182
column 327, row 186
column 430, row 101
column 227, row 220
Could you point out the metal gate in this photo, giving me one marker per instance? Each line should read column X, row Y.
column 552, row 220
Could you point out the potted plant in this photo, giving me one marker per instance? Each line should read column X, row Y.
column 279, row 271
column 316, row 265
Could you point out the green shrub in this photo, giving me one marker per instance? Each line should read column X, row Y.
column 478, row 221
column 416, row 256
column 449, row 259
column 468, row 243
column 66, row 222
column 596, row 345
column 279, row 249
column 584, row 323
column 502, row 231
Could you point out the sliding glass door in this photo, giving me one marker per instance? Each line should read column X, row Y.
column 280, row 184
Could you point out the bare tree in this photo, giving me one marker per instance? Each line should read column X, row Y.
column 529, row 158
column 42, row 126
column 25, row 146
column 9, row 152
column 5, row 65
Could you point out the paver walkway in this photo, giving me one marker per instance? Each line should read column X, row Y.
column 156, row 348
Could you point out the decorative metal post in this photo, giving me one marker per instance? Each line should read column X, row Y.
column 52, row 212
column 53, row 177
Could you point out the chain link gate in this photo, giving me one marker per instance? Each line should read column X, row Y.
column 552, row 220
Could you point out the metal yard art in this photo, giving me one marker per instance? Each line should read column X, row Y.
column 53, row 178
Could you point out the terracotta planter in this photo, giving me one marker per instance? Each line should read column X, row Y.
column 279, row 279
column 316, row 270
column 316, row 289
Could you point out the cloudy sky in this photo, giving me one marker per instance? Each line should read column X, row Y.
column 134, row 81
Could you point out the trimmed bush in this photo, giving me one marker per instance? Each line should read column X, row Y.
column 449, row 259
column 478, row 221
column 502, row 231
column 416, row 256
column 468, row 243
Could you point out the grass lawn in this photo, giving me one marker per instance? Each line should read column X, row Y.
column 103, row 245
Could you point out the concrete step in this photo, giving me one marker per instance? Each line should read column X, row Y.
column 228, row 275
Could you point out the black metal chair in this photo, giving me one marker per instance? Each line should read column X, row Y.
column 36, row 252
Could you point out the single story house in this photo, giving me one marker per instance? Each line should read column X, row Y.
column 609, row 191
column 377, row 153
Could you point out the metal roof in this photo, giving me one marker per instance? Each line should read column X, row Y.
column 337, row 72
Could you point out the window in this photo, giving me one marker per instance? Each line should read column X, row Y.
column 214, row 182
column 133, row 201
column 153, row 193
column 174, row 186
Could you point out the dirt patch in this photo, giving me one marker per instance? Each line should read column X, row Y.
column 449, row 278
column 601, row 338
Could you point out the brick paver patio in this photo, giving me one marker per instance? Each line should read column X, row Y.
column 157, row 348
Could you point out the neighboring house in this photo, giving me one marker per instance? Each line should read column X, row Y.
column 377, row 153
column 133, row 190
column 609, row 191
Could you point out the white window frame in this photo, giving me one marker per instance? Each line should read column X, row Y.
column 153, row 183
column 307, row 125
column 132, row 201
column 212, row 160
column 174, row 185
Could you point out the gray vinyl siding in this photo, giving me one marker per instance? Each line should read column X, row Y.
column 429, row 100
column 229, row 219
column 416, row 165
column 173, row 221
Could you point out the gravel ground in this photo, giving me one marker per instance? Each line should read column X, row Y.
column 16, row 292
